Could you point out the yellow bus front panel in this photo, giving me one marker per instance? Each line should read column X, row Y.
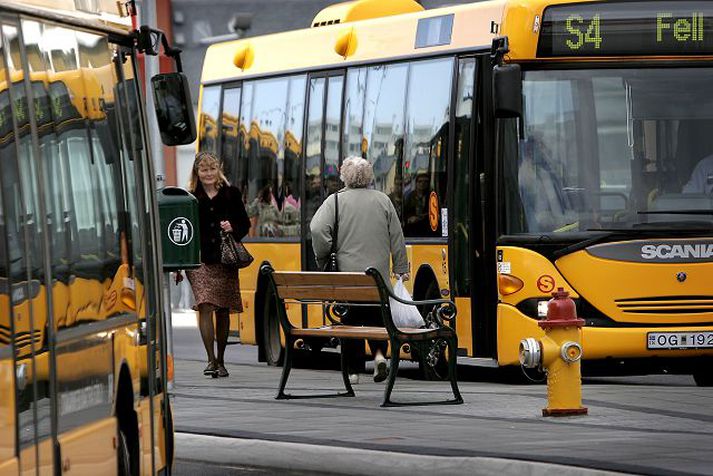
column 647, row 295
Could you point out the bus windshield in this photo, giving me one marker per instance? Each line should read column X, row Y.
column 610, row 149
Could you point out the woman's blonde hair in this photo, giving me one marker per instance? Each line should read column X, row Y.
column 206, row 158
column 356, row 172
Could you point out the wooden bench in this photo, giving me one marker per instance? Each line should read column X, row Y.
column 336, row 292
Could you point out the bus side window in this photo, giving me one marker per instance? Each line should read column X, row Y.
column 426, row 147
column 384, row 128
column 208, row 120
column 233, row 169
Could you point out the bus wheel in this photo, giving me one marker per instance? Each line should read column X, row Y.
column 123, row 456
column 433, row 365
column 703, row 375
column 274, row 353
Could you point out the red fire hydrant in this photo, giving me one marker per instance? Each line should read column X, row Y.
column 559, row 353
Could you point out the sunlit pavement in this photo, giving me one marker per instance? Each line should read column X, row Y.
column 644, row 425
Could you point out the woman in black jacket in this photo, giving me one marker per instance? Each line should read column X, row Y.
column 215, row 285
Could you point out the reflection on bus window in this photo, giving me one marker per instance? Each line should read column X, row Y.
column 208, row 120
column 332, row 129
column 313, row 157
column 269, row 136
column 425, row 150
column 383, row 127
column 234, row 170
column 404, row 134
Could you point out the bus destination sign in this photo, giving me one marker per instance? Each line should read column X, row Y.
column 627, row 29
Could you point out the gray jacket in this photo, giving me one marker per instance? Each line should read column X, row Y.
column 369, row 232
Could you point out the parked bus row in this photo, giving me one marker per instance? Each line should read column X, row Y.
column 526, row 145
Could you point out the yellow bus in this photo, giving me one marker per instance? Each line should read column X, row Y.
column 83, row 363
column 527, row 145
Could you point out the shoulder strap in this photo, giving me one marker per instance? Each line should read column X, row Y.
column 335, row 234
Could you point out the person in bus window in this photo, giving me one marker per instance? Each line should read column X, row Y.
column 264, row 214
column 216, row 286
column 416, row 207
column 369, row 236
column 701, row 180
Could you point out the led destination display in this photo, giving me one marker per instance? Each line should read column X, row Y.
column 627, row 29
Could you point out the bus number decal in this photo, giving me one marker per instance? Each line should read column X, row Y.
column 546, row 283
column 575, row 25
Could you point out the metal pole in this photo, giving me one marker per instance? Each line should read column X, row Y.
column 151, row 66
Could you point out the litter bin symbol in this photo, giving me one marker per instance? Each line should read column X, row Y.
column 180, row 231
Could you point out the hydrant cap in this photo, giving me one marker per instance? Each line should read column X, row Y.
column 560, row 293
column 561, row 311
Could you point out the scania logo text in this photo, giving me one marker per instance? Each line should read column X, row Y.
column 687, row 251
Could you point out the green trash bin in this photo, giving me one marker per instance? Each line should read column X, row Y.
column 180, row 235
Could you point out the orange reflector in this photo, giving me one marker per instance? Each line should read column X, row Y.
column 169, row 370
column 509, row 284
column 244, row 57
column 346, row 44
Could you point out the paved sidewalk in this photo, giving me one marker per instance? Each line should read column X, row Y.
column 634, row 428
column 311, row 459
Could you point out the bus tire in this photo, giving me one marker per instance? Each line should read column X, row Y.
column 170, row 438
column 128, row 427
column 440, row 370
column 123, row 457
column 703, row 375
column 274, row 352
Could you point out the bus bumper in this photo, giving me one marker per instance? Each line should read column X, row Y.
column 598, row 343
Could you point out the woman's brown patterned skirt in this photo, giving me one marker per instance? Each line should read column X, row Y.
column 217, row 285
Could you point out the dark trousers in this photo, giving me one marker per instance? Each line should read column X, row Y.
column 354, row 349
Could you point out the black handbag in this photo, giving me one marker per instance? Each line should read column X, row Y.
column 233, row 253
column 331, row 264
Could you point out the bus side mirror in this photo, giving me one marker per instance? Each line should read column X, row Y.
column 174, row 110
column 507, row 91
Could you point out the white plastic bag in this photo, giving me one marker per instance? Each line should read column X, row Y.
column 404, row 315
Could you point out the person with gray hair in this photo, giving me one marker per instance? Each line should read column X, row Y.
column 370, row 235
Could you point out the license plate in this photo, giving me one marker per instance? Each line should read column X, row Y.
column 679, row 340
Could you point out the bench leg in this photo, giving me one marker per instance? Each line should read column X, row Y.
column 345, row 371
column 286, row 367
column 452, row 369
column 393, row 370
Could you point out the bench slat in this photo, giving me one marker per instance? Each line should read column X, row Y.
column 291, row 278
column 354, row 332
column 346, row 293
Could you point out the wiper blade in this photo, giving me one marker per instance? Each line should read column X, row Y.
column 580, row 245
column 675, row 212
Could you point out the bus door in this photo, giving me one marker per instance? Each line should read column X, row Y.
column 469, row 272
column 322, row 151
column 25, row 288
